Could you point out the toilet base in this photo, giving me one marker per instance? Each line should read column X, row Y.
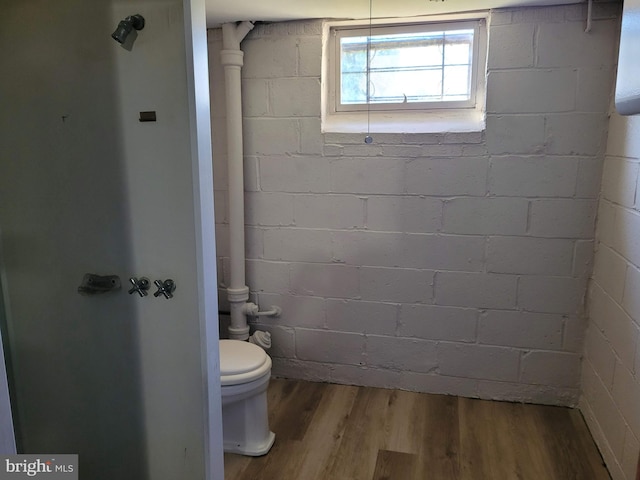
column 251, row 450
column 245, row 418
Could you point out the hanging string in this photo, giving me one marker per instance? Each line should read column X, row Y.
column 368, row 138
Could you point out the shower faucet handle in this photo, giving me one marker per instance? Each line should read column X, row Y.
column 140, row 287
column 165, row 288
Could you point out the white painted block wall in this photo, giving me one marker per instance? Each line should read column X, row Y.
column 611, row 389
column 447, row 263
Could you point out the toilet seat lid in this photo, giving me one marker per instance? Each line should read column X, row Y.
column 238, row 357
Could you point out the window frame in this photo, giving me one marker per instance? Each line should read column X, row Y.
column 429, row 118
column 337, row 33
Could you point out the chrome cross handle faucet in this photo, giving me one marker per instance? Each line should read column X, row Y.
column 140, row 287
column 165, row 288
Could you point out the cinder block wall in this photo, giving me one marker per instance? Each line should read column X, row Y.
column 447, row 263
column 611, row 389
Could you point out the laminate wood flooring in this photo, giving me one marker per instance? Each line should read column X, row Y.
column 338, row 432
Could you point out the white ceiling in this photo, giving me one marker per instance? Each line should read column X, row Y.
column 221, row 11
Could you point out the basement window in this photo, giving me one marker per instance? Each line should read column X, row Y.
column 417, row 76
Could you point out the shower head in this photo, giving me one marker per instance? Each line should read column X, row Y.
column 124, row 28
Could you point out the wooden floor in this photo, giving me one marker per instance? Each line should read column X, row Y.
column 337, row 432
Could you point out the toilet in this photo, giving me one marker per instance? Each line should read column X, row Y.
column 245, row 370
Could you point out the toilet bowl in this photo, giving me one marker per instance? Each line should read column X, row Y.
column 245, row 370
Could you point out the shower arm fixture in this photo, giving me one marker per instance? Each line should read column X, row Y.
column 124, row 28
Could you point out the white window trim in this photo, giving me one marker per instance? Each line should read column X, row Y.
column 433, row 120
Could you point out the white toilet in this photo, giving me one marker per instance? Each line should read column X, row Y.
column 245, row 370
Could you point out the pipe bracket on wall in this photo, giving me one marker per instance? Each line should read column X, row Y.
column 93, row 284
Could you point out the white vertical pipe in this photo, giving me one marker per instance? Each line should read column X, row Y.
column 232, row 60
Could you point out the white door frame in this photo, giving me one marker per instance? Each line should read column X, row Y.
column 200, row 117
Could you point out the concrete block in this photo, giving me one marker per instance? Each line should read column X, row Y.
column 626, row 235
column 447, row 176
column 300, row 369
column 297, row 245
column 551, row 14
column 463, row 138
column 626, row 392
column 444, row 252
column 401, row 353
column 551, row 294
column 263, row 276
column 575, row 327
column 605, row 229
column 594, row 89
column 575, row 133
column 619, row 181
column 478, row 361
column 510, row 46
column 367, row 175
column 620, row 143
column 269, row 57
column 368, row 248
column 330, row 347
column 442, row 150
column 297, row 311
column 421, row 138
column 329, row 211
column 362, row 317
column 514, row 134
column 431, row 322
column 619, row 330
column 404, row 214
column 500, row 17
column 332, row 150
column 530, row 256
column 310, row 137
column 222, row 240
column 506, row 216
column 401, row 285
column 531, row 91
column 566, row 45
column 295, row 97
column 551, row 368
column 294, row 174
column 533, row 176
column 253, row 242
column 475, row 290
column 366, row 376
column 604, row 409
column 283, row 343
column 403, row 151
column 363, row 150
column 600, row 355
column 335, row 281
column 610, row 271
column 523, row 393
column 631, row 297
column 520, row 329
column 583, row 258
column 309, row 56
column 251, row 175
column 271, row 136
column 562, row 218
column 438, row 384
column 589, row 177
column 268, row 209
column 255, row 97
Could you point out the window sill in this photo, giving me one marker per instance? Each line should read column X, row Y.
column 434, row 121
